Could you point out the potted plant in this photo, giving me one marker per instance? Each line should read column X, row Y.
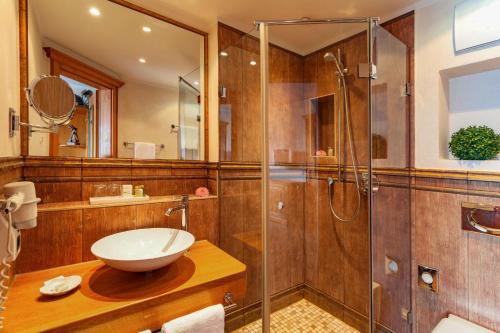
column 475, row 143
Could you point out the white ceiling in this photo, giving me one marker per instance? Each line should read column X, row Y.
column 115, row 40
column 303, row 39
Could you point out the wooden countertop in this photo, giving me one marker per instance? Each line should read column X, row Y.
column 71, row 205
column 117, row 301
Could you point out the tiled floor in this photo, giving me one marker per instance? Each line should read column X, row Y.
column 301, row 316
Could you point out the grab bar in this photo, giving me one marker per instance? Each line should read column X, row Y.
column 473, row 213
column 478, row 226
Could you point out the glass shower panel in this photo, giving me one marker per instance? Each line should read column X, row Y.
column 239, row 177
column 390, row 209
column 189, row 121
column 319, row 265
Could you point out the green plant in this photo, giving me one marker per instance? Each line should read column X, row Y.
column 475, row 143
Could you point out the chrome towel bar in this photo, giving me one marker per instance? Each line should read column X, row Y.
column 131, row 144
column 228, row 302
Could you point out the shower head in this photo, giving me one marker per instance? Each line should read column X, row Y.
column 329, row 57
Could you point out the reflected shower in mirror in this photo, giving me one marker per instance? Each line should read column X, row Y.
column 137, row 81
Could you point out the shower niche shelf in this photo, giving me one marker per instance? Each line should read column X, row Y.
column 323, row 123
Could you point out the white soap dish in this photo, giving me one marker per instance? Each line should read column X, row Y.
column 60, row 285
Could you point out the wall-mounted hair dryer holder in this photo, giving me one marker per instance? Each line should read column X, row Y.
column 18, row 212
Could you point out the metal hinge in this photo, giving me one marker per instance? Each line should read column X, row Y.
column 366, row 70
column 406, row 90
column 407, row 315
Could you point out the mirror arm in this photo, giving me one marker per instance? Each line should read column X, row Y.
column 14, row 125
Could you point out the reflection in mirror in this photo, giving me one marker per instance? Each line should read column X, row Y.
column 137, row 81
column 52, row 98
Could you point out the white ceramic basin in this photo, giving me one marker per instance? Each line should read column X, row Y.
column 142, row 250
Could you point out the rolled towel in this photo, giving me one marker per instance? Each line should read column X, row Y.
column 207, row 320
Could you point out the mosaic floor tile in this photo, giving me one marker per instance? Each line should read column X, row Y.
column 300, row 317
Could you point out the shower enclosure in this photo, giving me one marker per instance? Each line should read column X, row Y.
column 314, row 184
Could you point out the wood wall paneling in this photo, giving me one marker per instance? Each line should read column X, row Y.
column 391, row 241
column 11, row 170
column 56, row 241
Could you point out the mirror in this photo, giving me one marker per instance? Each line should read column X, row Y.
column 135, row 83
column 52, row 98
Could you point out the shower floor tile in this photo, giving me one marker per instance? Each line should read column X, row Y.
column 301, row 316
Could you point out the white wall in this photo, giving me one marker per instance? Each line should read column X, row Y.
column 38, row 64
column 434, row 53
column 475, row 100
column 144, row 115
column 9, row 77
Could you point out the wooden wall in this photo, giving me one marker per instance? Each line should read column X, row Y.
column 11, row 170
column 65, row 233
column 68, row 226
column 239, row 123
column 74, row 179
column 467, row 261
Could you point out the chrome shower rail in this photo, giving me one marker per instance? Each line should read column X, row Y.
column 257, row 23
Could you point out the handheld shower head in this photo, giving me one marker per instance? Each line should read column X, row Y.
column 329, row 57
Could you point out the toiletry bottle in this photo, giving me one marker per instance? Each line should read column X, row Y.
column 127, row 190
column 330, row 151
column 139, row 190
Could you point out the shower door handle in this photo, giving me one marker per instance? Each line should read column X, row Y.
column 375, row 183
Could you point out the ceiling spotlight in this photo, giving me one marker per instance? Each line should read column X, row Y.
column 224, row 54
column 142, row 60
column 94, row 11
column 196, row 83
column 253, row 63
column 146, row 29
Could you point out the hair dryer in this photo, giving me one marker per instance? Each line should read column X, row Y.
column 18, row 211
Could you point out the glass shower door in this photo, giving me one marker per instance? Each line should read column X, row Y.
column 390, row 198
column 317, row 223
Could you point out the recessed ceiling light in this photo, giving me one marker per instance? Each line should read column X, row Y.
column 253, row 62
column 146, row 29
column 94, row 11
column 142, row 60
column 224, row 54
column 196, row 83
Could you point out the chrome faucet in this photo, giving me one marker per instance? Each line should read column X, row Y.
column 184, row 207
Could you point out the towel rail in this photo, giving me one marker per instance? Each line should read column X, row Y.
column 127, row 144
column 229, row 303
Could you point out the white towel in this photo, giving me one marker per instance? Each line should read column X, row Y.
column 207, row 320
column 454, row 324
column 144, row 150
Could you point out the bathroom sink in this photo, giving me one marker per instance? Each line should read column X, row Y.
column 142, row 250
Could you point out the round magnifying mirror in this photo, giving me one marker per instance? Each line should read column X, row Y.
column 53, row 99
